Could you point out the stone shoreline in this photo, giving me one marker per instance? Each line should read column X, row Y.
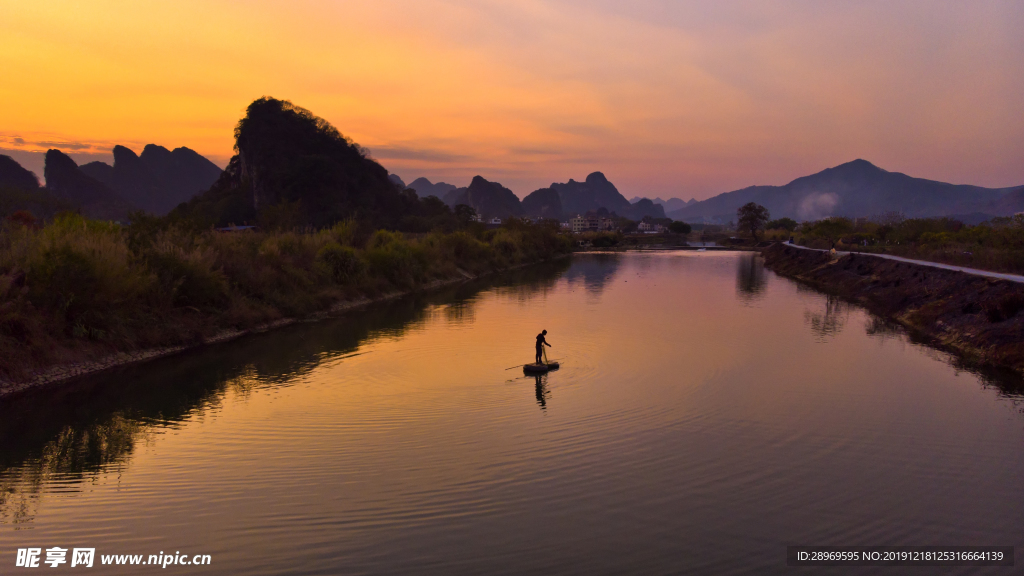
column 980, row 319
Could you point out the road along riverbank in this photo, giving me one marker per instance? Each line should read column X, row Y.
column 980, row 318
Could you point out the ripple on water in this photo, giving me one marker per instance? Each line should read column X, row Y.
column 688, row 430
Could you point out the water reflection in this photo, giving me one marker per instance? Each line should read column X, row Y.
column 595, row 271
column 829, row 321
column 882, row 328
column 72, row 455
column 73, row 432
column 687, row 425
column 751, row 279
column 541, row 389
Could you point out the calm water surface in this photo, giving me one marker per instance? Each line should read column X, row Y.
column 707, row 414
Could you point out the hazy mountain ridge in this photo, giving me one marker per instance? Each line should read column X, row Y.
column 543, row 203
column 560, row 201
column 424, row 188
column 20, row 190
column 669, row 205
column 157, row 180
column 14, row 175
column 94, row 198
column 593, row 193
column 489, row 199
column 397, row 181
column 854, row 189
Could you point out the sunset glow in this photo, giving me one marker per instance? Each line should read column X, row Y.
column 666, row 99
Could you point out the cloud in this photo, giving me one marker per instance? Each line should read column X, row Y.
column 410, row 153
column 62, row 145
column 43, row 142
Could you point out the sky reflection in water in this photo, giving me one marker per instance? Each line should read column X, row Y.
column 706, row 415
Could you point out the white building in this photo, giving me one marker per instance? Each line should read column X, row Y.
column 583, row 224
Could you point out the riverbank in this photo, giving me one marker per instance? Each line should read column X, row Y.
column 80, row 296
column 976, row 317
column 68, row 371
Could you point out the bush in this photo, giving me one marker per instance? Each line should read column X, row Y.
column 77, row 280
column 508, row 245
column 189, row 278
column 465, row 249
column 787, row 224
column 339, row 263
column 389, row 255
column 679, row 227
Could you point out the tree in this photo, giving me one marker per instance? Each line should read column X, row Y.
column 787, row 224
column 752, row 217
column 678, row 227
column 830, row 229
column 465, row 213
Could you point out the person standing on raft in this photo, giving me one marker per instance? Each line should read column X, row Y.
column 541, row 343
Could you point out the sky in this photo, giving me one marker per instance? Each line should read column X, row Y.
column 669, row 99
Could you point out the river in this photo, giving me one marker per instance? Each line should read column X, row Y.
column 706, row 415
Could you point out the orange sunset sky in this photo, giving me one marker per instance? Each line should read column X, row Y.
column 666, row 98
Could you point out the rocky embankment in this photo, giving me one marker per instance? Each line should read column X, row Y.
column 980, row 318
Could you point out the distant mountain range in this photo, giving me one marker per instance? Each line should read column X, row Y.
column 859, row 188
column 559, row 201
column 489, row 199
column 95, row 199
column 13, row 175
column 20, row 190
column 424, row 188
column 281, row 163
column 670, row 204
column 156, row 181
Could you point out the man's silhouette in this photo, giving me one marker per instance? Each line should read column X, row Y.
column 541, row 343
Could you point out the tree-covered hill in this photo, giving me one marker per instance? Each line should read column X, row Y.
column 293, row 168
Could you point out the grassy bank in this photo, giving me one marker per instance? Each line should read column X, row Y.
column 77, row 290
column 996, row 245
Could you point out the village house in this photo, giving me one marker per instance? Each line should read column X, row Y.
column 584, row 224
column 650, row 227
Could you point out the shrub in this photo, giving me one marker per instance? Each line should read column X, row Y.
column 679, row 227
column 189, row 278
column 83, row 275
column 389, row 255
column 138, row 285
column 344, row 232
column 787, row 224
column 339, row 263
column 508, row 244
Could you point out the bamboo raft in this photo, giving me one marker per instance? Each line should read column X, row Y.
column 539, row 368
